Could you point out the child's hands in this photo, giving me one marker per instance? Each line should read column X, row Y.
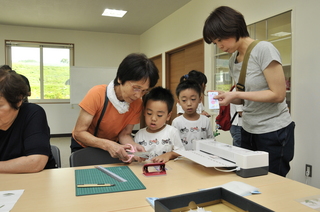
column 205, row 113
column 161, row 158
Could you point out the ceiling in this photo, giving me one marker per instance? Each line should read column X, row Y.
column 86, row 14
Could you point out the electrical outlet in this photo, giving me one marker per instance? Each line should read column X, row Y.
column 308, row 171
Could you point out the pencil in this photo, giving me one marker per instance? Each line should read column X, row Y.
column 95, row 185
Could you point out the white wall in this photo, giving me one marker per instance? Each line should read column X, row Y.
column 185, row 26
column 92, row 49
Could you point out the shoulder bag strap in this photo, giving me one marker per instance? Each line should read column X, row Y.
column 243, row 73
column 102, row 113
column 233, row 117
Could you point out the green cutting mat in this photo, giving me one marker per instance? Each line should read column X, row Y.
column 95, row 176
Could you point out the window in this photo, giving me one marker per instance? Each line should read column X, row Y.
column 222, row 78
column 47, row 67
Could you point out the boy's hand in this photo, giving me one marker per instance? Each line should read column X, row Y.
column 161, row 158
column 205, row 113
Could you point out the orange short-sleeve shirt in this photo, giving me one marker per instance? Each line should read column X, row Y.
column 112, row 122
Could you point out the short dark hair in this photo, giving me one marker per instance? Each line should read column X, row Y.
column 223, row 23
column 135, row 67
column 188, row 84
column 160, row 94
column 12, row 88
column 196, row 76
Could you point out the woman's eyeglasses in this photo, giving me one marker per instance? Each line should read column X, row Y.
column 138, row 90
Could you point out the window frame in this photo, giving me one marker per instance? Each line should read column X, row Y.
column 41, row 45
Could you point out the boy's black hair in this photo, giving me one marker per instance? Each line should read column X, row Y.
column 160, row 94
column 135, row 67
column 223, row 23
column 188, row 84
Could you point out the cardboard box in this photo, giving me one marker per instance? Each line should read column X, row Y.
column 208, row 199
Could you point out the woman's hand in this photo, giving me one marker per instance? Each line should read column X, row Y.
column 138, row 148
column 224, row 98
column 118, row 151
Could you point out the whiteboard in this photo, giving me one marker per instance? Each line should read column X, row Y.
column 84, row 78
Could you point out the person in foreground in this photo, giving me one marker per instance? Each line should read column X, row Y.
column 191, row 125
column 266, row 121
column 158, row 138
column 24, row 131
column 135, row 75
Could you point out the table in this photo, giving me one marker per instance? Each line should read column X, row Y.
column 54, row 190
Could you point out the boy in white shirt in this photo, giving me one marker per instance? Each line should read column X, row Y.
column 158, row 138
column 192, row 126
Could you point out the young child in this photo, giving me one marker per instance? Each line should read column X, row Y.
column 158, row 138
column 192, row 126
column 200, row 78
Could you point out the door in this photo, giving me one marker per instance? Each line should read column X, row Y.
column 179, row 62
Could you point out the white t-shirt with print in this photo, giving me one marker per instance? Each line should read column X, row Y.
column 161, row 142
column 193, row 130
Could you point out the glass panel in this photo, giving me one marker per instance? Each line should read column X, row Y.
column 56, row 73
column 285, row 49
column 26, row 61
column 261, row 30
column 279, row 33
column 279, row 26
column 222, row 77
column 252, row 30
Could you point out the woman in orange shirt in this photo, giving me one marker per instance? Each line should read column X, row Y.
column 135, row 75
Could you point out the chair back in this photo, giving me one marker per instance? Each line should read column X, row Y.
column 56, row 155
column 91, row 156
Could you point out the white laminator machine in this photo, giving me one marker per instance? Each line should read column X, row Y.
column 211, row 153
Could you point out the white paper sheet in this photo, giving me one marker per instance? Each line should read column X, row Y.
column 205, row 159
column 8, row 199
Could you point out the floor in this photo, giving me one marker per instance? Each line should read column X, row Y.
column 64, row 145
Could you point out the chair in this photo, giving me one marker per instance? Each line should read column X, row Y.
column 91, row 156
column 56, row 155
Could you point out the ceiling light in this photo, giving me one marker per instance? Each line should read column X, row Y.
column 114, row 13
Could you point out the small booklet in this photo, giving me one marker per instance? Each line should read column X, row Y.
column 213, row 103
